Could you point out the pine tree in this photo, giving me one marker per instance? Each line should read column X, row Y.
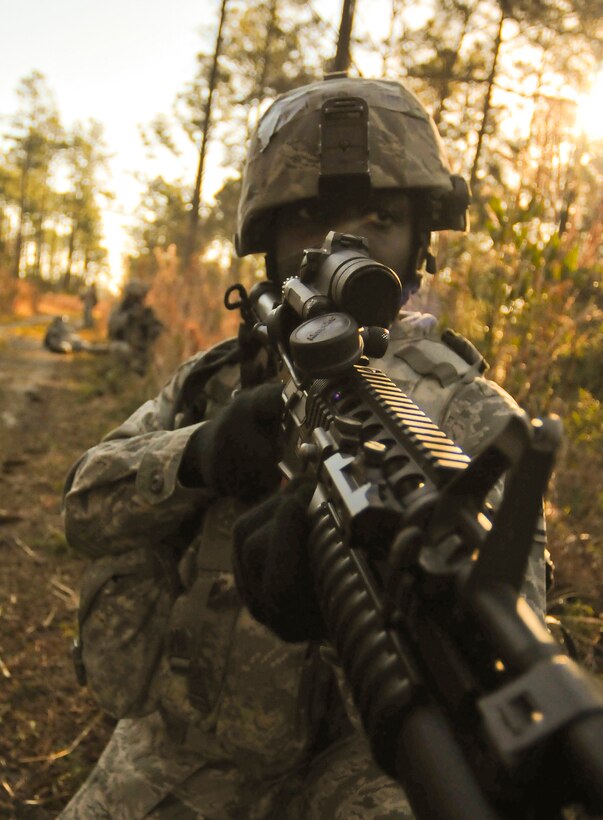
column 35, row 139
column 85, row 161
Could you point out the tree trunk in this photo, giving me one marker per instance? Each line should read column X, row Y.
column 265, row 62
column 253, row 114
column 19, row 237
column 52, row 256
column 342, row 56
column 3, row 230
column 194, row 221
column 39, row 238
column 487, row 102
column 70, row 251
column 449, row 64
column 390, row 37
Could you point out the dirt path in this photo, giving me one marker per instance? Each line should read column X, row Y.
column 26, row 368
column 51, row 732
column 52, row 408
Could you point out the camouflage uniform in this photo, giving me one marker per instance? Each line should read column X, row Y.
column 133, row 327
column 61, row 338
column 205, row 731
column 219, row 718
column 89, row 301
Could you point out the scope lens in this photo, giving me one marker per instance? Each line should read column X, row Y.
column 371, row 292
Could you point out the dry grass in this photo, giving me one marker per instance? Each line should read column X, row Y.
column 51, row 732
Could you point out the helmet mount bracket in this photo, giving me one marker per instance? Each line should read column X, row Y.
column 343, row 147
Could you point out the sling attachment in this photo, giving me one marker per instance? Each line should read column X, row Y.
column 256, row 363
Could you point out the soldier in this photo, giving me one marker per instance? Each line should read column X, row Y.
column 133, row 327
column 89, row 299
column 60, row 337
column 219, row 717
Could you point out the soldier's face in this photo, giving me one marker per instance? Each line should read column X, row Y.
column 384, row 220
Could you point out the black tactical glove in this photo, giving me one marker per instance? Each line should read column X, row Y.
column 237, row 452
column 271, row 566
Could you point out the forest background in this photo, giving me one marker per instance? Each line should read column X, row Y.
column 500, row 79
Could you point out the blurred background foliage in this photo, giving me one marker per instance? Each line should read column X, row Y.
column 500, row 77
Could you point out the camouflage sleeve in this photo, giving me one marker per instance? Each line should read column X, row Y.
column 468, row 407
column 124, row 493
column 478, row 412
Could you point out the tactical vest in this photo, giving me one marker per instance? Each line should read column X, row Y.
column 230, row 689
column 431, row 367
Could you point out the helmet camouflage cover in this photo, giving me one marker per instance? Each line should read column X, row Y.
column 135, row 289
column 405, row 152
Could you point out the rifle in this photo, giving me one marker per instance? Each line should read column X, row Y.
column 466, row 698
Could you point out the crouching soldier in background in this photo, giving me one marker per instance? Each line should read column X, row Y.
column 133, row 327
column 219, row 716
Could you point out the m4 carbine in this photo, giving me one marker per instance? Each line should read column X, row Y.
column 466, row 698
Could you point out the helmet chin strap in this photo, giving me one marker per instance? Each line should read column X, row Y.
column 408, row 288
column 421, row 258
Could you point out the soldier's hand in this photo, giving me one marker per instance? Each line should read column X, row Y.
column 237, row 452
column 271, row 566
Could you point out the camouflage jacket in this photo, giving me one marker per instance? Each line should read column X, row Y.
column 161, row 624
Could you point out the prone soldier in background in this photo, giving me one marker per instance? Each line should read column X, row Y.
column 133, row 327
column 60, row 337
column 218, row 716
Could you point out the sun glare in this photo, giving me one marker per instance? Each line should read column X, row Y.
column 589, row 115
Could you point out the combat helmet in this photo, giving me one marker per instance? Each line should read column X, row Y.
column 339, row 129
column 135, row 289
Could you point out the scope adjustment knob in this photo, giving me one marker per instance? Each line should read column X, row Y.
column 326, row 345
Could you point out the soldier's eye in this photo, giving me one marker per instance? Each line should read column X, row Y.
column 381, row 218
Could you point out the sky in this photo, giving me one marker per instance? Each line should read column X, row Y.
column 118, row 61
column 122, row 62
